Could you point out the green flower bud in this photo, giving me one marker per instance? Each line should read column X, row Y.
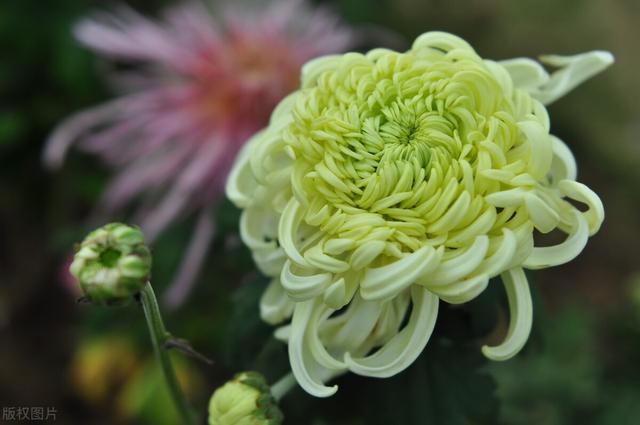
column 112, row 264
column 245, row 400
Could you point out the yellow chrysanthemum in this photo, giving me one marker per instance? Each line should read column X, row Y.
column 392, row 180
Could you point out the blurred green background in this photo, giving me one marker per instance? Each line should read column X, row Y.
column 94, row 365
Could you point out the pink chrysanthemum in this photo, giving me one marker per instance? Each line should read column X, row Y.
column 202, row 84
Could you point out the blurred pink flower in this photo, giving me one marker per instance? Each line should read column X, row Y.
column 202, row 82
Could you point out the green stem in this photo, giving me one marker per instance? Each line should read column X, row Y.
column 159, row 337
column 283, row 386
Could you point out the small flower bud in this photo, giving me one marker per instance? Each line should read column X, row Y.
column 112, row 263
column 245, row 400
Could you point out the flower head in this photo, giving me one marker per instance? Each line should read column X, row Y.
column 391, row 181
column 200, row 87
column 112, row 264
column 245, row 400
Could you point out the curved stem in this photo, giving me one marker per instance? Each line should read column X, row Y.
column 283, row 386
column 159, row 336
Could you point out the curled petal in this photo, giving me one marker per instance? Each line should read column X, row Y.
column 481, row 225
column 289, row 222
column 548, row 256
column 335, row 296
column 275, row 305
column 507, row 198
column 404, row 347
column 319, row 259
column 270, row 261
column 525, row 73
column 255, row 225
column 301, row 287
column 540, row 145
column 453, row 216
column 387, row 281
column 581, row 193
column 541, row 214
column 350, row 330
column 464, row 290
column 441, row 41
column 456, row 268
column 316, row 346
column 305, row 368
column 573, row 71
column 315, row 67
column 520, row 306
column 366, row 253
column 563, row 165
column 498, row 262
column 281, row 114
column 241, row 183
column 470, row 287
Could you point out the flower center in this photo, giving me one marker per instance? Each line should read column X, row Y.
column 109, row 257
column 396, row 142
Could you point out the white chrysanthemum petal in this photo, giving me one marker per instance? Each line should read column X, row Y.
column 498, row 262
column 303, row 287
column 377, row 53
column 481, row 225
column 464, row 290
column 507, row 198
column 303, row 365
column 261, row 161
column 526, row 74
column 289, row 222
column 241, row 183
column 453, row 216
column 581, row 193
column 350, row 330
column 335, row 296
column 502, row 76
column 337, row 246
column 521, row 309
column 458, row 267
column 366, row 253
column 281, row 115
column 525, row 245
column 404, row 347
column 540, row 145
column 315, row 67
column 275, row 305
column 255, row 226
column 541, row 214
column 320, row 354
column 283, row 333
column 548, row 256
column 387, row 281
column 564, row 164
column 440, row 40
column 316, row 258
column 270, row 261
column 573, row 71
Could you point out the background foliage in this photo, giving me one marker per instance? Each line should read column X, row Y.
column 95, row 366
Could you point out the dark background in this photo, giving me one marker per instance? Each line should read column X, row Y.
column 94, row 365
